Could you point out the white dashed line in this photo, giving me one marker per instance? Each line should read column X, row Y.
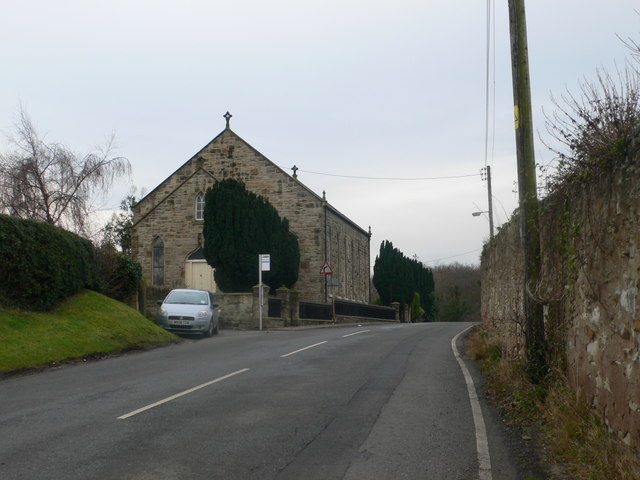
column 355, row 333
column 303, row 349
column 181, row 394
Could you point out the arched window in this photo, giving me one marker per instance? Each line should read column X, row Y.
column 200, row 206
column 158, row 262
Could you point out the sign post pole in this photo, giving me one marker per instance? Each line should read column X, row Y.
column 260, row 288
column 327, row 271
column 264, row 265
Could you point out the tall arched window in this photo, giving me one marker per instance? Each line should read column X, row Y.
column 157, row 259
column 200, row 206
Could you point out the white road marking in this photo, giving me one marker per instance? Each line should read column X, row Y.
column 303, row 349
column 355, row 333
column 482, row 443
column 181, row 394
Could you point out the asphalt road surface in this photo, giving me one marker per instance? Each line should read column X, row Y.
column 363, row 402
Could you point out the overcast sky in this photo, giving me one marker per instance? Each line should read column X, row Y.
column 351, row 87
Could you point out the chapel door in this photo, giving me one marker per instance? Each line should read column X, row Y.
column 198, row 274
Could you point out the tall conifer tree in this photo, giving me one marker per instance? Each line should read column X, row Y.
column 238, row 226
column 398, row 278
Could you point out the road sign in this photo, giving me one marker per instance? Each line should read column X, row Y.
column 326, row 269
column 265, row 262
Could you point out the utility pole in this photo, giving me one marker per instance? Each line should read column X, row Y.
column 528, row 197
column 490, row 202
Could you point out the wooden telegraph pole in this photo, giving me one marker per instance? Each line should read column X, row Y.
column 490, row 202
column 528, row 197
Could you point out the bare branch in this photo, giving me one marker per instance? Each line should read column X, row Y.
column 49, row 182
column 600, row 128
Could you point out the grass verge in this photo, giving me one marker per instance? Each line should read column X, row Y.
column 85, row 324
column 572, row 434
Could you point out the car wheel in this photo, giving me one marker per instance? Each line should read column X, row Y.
column 209, row 330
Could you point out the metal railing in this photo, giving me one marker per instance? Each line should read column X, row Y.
column 352, row 309
column 316, row 311
column 324, row 311
column 275, row 308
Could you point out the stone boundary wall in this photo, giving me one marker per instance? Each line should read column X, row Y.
column 241, row 311
column 590, row 278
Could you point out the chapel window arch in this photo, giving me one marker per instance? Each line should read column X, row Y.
column 199, row 215
column 157, row 260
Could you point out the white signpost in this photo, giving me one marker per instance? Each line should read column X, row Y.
column 264, row 265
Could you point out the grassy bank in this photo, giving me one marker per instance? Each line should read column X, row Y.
column 572, row 434
column 84, row 324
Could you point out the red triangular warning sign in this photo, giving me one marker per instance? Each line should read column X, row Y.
column 326, row 269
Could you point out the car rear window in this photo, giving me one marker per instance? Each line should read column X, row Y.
column 190, row 298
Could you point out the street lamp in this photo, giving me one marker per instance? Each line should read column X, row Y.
column 477, row 214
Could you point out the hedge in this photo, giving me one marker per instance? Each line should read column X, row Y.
column 41, row 264
column 121, row 274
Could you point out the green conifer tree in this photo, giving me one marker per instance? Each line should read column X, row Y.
column 238, row 226
column 416, row 307
column 398, row 278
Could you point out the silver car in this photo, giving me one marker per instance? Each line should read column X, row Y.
column 186, row 310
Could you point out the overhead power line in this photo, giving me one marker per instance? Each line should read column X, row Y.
column 453, row 256
column 391, row 178
column 490, row 83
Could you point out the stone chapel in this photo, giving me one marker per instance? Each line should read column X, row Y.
column 167, row 224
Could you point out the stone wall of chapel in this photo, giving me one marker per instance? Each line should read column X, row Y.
column 348, row 255
column 228, row 156
column 174, row 221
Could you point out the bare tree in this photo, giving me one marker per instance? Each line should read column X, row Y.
column 457, row 292
column 599, row 128
column 50, row 183
column 117, row 231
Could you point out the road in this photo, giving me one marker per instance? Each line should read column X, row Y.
column 362, row 402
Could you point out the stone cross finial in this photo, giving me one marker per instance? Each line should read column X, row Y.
column 295, row 171
column 227, row 117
